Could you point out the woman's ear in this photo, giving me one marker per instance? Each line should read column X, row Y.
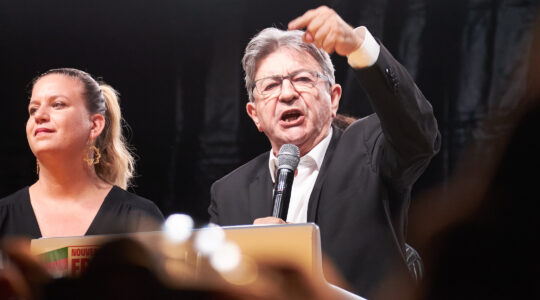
column 97, row 124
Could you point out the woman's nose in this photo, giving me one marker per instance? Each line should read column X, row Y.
column 41, row 115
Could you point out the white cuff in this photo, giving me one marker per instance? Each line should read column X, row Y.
column 367, row 54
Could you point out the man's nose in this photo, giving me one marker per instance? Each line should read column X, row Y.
column 288, row 92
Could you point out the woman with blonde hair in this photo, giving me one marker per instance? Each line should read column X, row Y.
column 83, row 162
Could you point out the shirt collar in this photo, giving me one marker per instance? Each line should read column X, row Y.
column 316, row 154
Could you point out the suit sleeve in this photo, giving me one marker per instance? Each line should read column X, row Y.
column 410, row 136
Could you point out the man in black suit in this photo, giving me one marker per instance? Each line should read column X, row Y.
column 354, row 183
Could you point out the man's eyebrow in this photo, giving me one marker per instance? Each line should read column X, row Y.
column 300, row 71
column 290, row 73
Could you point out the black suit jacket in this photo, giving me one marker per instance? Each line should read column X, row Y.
column 362, row 193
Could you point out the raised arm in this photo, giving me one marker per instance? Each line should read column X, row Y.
column 410, row 134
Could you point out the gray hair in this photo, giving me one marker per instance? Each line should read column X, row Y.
column 271, row 39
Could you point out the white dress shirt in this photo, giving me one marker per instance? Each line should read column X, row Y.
column 304, row 179
column 367, row 54
column 310, row 164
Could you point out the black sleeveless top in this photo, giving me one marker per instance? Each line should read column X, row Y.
column 120, row 212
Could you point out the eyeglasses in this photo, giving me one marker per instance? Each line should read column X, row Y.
column 302, row 81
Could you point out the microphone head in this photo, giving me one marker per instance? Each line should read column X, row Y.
column 288, row 157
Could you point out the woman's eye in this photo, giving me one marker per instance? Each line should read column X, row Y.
column 58, row 104
column 32, row 110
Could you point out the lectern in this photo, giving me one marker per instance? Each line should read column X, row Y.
column 292, row 244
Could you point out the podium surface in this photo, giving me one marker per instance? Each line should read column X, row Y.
column 296, row 244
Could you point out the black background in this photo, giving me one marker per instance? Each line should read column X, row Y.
column 177, row 67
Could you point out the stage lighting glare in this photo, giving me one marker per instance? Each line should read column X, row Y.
column 209, row 239
column 178, row 227
column 245, row 273
column 226, row 258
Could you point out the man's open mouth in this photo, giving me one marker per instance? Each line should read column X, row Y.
column 291, row 117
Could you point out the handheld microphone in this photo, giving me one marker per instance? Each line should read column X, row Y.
column 288, row 159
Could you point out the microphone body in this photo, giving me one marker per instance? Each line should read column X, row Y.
column 288, row 159
column 282, row 193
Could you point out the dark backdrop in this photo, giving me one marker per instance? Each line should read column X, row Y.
column 177, row 67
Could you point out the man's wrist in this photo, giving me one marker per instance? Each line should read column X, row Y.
column 367, row 54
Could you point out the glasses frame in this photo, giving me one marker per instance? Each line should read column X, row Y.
column 283, row 77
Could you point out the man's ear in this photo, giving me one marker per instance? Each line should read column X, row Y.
column 252, row 112
column 335, row 96
column 97, row 123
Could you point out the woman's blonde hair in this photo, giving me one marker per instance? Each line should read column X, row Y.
column 117, row 164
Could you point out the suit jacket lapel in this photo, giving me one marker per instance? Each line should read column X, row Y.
column 260, row 192
column 316, row 192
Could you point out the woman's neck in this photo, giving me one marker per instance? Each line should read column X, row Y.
column 65, row 178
